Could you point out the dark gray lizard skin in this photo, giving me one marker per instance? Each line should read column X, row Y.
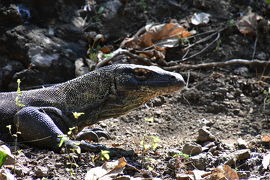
column 108, row 92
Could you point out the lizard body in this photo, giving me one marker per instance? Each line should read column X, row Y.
column 108, row 92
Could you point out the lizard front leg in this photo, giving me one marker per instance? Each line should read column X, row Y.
column 36, row 127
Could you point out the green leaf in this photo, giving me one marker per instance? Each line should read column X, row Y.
column 151, row 119
column 268, row 1
column 3, row 157
column 77, row 114
column 63, row 139
column 105, row 155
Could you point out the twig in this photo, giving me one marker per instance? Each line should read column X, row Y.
column 200, row 41
column 242, row 62
column 255, row 47
column 123, row 52
column 201, row 51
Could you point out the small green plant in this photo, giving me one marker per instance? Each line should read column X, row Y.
column 3, row 157
column 70, row 171
column 63, row 139
column 231, row 22
column 77, row 114
column 72, row 153
column 19, row 95
column 151, row 119
column 185, row 42
column 218, row 47
column 105, row 155
column 182, row 155
column 150, row 142
column 143, row 5
column 268, row 1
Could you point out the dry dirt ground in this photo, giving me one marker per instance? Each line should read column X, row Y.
column 229, row 102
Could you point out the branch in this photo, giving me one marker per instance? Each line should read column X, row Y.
column 242, row 62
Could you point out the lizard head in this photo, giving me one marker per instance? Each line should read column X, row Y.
column 136, row 84
column 150, row 80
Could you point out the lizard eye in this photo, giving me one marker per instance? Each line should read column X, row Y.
column 141, row 73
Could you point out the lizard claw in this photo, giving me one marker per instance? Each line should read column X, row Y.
column 92, row 134
column 84, row 146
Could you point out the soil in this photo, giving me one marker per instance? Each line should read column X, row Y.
column 229, row 102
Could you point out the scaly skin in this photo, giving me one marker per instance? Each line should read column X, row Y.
column 107, row 92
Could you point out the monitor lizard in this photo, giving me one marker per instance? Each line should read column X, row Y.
column 107, row 92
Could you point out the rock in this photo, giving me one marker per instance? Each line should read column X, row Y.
column 10, row 15
column 243, row 71
column 205, row 135
column 242, row 144
column 243, row 174
column 202, row 160
column 41, row 171
column 111, row 9
column 242, row 154
column 81, row 67
column 208, row 145
column 192, row 148
column 5, row 174
column 261, row 56
column 183, row 176
column 266, row 161
column 206, row 122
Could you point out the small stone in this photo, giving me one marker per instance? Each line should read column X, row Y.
column 230, row 160
column 111, row 9
column 201, row 161
column 242, row 144
column 80, row 67
column 261, row 56
column 243, row 71
column 192, row 148
column 242, row 154
column 41, row 171
column 5, row 174
column 183, row 176
column 243, row 174
column 205, row 135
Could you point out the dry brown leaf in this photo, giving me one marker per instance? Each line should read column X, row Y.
column 122, row 162
column 161, row 32
column 106, row 49
column 217, row 174
column 230, row 173
column 152, row 41
column 107, row 171
column 224, row 173
column 156, row 33
column 248, row 24
column 265, row 138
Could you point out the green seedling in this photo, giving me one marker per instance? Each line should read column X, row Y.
column 150, row 142
column 3, row 157
column 19, row 95
column 105, row 155
column 151, row 119
column 77, row 114
column 182, row 155
column 63, row 139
